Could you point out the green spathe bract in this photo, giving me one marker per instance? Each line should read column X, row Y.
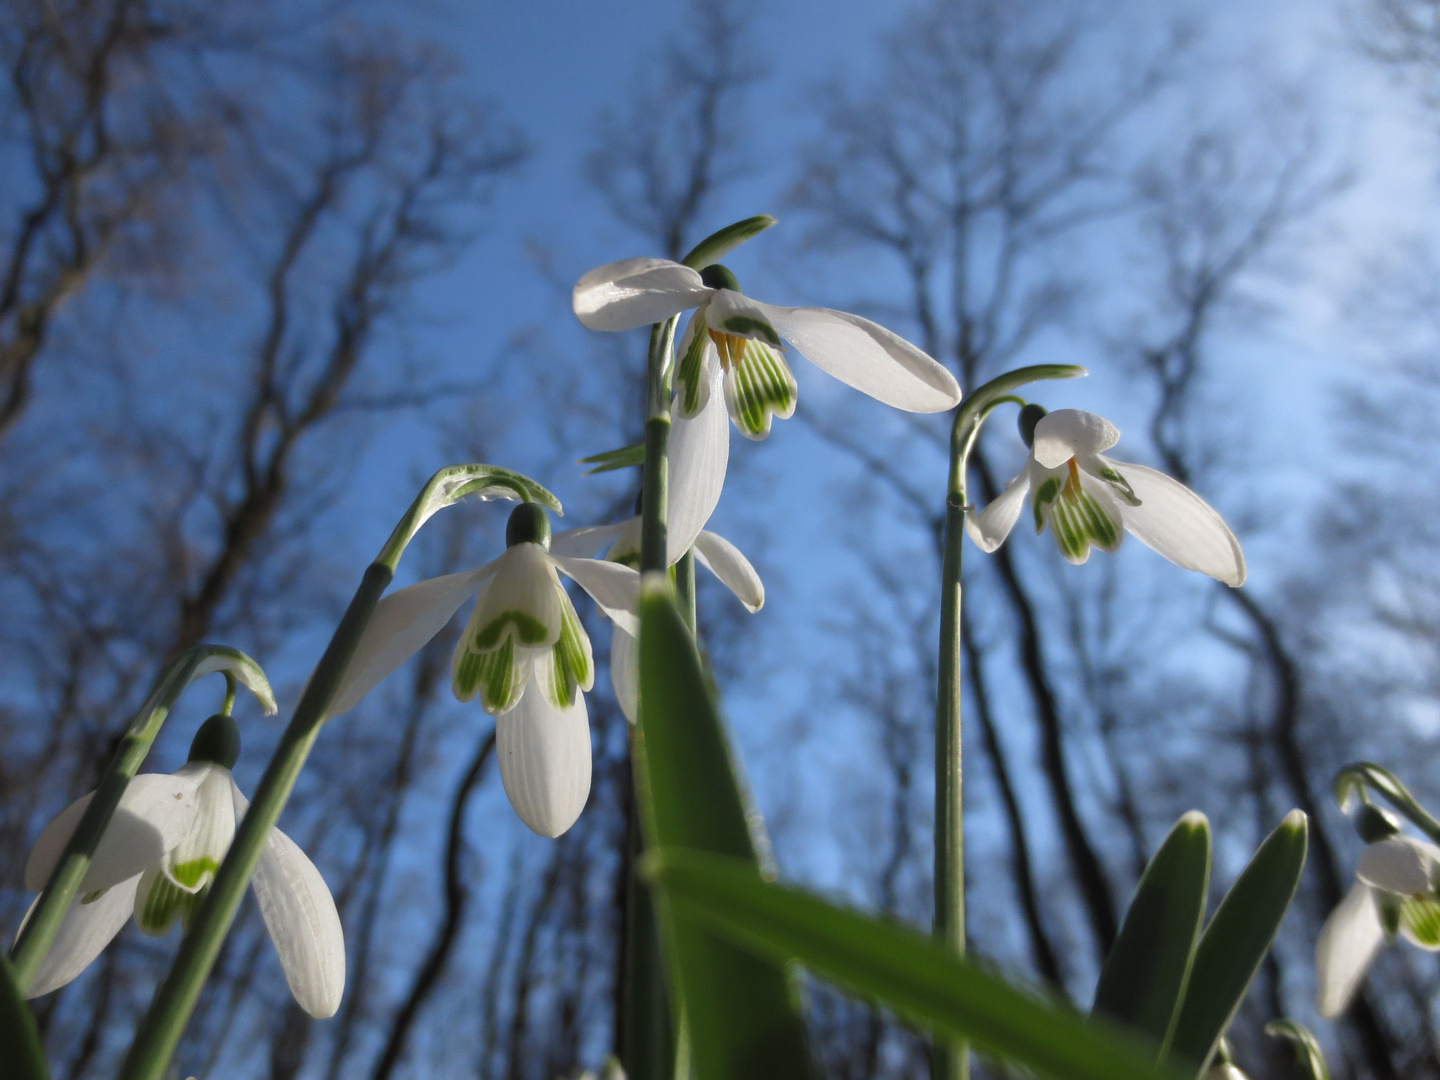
column 719, row 244
column 920, row 979
column 741, row 1010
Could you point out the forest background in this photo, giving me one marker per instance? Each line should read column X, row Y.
column 263, row 268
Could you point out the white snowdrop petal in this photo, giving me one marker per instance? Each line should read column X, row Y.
column 625, row 673
column 726, row 562
column 736, row 314
column 1066, row 433
column 83, row 935
column 1397, row 865
column 636, row 292
column 300, row 914
column 585, row 543
column 525, row 583
column 614, row 586
column 399, row 628
column 988, row 528
column 868, row 357
column 699, row 455
column 1180, row 525
column 153, row 816
column 544, row 757
column 1347, row 944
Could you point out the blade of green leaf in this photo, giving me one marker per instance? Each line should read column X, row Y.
column 1308, row 1054
column 719, row 244
column 1144, row 977
column 741, row 1009
column 917, row 977
column 19, row 1040
column 623, row 458
column 1237, row 939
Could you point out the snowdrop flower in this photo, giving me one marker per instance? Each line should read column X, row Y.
column 1087, row 498
column 156, row 860
column 715, row 553
column 731, row 350
column 1397, row 891
column 523, row 653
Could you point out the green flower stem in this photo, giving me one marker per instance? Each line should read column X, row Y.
column 657, row 447
column 160, row 1031
column 951, row 1060
column 1354, row 779
column 54, row 900
column 685, row 589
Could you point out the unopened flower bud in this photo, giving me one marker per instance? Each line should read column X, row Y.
column 1030, row 415
column 720, row 277
column 218, row 740
column 1374, row 824
column 528, row 524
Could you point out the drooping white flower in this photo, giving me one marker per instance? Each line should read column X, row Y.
column 524, row 653
column 156, row 860
column 731, row 350
column 714, row 552
column 1089, row 499
column 1396, row 892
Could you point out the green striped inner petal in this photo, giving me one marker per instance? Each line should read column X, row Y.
column 164, row 902
column 494, row 673
column 530, row 630
column 758, row 384
column 1420, row 917
column 195, row 872
column 1045, row 495
column 691, row 369
column 572, row 663
column 1078, row 520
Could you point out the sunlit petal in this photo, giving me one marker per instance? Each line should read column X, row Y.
column 726, row 562
column 636, row 292
column 1347, row 944
column 1180, row 525
column 1397, row 865
column 615, row 587
column 988, row 528
column 625, row 673
column 1067, row 433
column 734, row 313
column 544, row 756
column 84, row 932
column 699, row 455
column 153, row 816
column 401, row 625
column 868, row 357
column 585, row 543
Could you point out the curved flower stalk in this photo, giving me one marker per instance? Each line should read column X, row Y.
column 156, row 860
column 731, row 350
column 712, row 551
column 524, row 653
column 1396, row 893
column 1089, row 499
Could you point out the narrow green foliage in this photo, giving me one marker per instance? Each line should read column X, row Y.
column 919, row 978
column 1237, row 939
column 625, row 457
column 1307, row 1051
column 20, row 1049
column 741, row 1010
column 719, row 244
column 1143, row 981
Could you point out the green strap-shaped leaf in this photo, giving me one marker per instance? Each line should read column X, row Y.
column 1308, row 1054
column 623, row 458
column 1236, row 941
column 719, row 244
column 20, row 1050
column 1144, row 977
column 741, row 1009
column 917, row 977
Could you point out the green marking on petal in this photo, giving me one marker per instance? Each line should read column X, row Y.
column 1079, row 520
column 164, row 903
column 91, row 897
column 626, row 558
column 750, row 326
column 1044, row 496
column 1420, row 918
column 530, row 630
column 573, row 664
column 495, row 674
column 195, row 872
column 758, row 384
column 690, row 371
column 1388, row 905
column 1119, row 485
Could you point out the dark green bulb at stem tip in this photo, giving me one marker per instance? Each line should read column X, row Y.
column 1029, row 416
column 720, row 277
column 528, row 524
column 1374, row 824
column 218, row 740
